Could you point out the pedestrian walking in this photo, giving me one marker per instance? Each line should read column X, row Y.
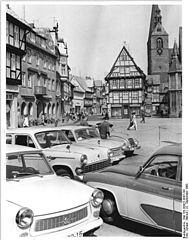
column 104, row 129
column 26, row 121
column 143, row 117
column 133, row 122
column 83, row 121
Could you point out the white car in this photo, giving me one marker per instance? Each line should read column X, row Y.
column 41, row 205
column 89, row 137
column 66, row 158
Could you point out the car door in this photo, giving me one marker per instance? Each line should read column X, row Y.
column 150, row 198
column 178, row 199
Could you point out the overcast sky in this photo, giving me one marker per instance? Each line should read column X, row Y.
column 95, row 34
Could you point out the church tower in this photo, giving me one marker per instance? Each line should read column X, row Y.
column 158, row 55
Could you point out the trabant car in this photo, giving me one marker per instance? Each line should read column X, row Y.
column 150, row 194
column 131, row 143
column 66, row 158
column 41, row 205
column 89, row 136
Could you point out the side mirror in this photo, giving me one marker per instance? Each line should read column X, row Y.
column 68, row 147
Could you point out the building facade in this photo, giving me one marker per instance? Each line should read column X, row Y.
column 16, row 32
column 37, row 94
column 126, row 85
column 160, row 62
column 175, row 83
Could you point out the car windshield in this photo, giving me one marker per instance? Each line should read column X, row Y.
column 25, row 165
column 48, row 139
column 86, row 133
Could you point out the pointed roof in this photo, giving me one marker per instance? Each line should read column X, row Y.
column 156, row 22
column 124, row 66
column 175, row 65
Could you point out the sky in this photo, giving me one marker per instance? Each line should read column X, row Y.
column 95, row 34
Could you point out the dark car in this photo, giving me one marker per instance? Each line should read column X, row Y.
column 150, row 193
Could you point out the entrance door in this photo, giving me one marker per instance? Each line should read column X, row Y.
column 125, row 111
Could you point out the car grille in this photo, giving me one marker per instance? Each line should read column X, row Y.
column 60, row 221
column 116, row 151
column 131, row 141
column 96, row 166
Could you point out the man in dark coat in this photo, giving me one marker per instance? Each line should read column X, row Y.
column 104, row 129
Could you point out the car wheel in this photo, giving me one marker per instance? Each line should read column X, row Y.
column 109, row 211
column 64, row 173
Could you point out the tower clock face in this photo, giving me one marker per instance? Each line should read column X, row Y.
column 159, row 51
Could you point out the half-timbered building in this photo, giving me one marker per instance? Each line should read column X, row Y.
column 126, row 83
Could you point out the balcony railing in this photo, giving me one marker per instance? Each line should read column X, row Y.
column 40, row 90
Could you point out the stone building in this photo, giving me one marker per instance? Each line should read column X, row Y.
column 16, row 32
column 37, row 95
column 175, row 83
column 160, row 62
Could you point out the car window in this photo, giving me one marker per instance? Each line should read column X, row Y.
column 24, row 140
column 69, row 134
column 164, row 166
column 28, row 164
column 87, row 133
column 8, row 139
column 51, row 138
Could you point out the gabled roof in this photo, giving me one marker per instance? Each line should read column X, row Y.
column 11, row 13
column 126, row 64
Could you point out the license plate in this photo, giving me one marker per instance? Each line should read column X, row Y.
column 77, row 234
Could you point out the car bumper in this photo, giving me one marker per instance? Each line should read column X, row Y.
column 117, row 158
column 77, row 231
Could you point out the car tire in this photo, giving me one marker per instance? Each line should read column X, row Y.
column 109, row 212
column 64, row 173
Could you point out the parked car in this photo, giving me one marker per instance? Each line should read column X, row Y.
column 149, row 194
column 41, row 205
column 66, row 158
column 89, row 137
column 131, row 143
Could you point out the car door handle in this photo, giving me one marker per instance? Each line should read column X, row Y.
column 167, row 188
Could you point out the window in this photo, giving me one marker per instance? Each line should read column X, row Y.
column 129, row 83
column 29, row 80
column 53, row 85
column 155, row 97
column 16, row 36
column 63, row 69
column 159, row 43
column 37, row 60
column 29, row 56
column 137, row 83
column 49, row 84
column 24, row 140
column 125, row 97
column 155, row 89
column 163, row 166
column 7, row 32
column 23, row 79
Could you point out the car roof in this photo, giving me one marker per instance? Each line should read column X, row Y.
column 174, row 149
column 18, row 148
column 73, row 127
column 32, row 130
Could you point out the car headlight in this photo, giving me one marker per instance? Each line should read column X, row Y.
column 83, row 159
column 110, row 153
column 124, row 146
column 97, row 198
column 24, row 218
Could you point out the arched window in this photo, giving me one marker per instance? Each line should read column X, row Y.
column 24, row 109
column 159, row 43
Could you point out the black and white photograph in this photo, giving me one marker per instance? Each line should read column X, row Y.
column 92, row 113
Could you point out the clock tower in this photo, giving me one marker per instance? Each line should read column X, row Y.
column 158, row 55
